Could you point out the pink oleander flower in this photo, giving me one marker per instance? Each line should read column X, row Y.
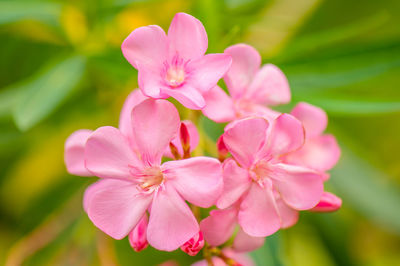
column 251, row 88
column 175, row 65
column 231, row 258
column 137, row 237
column 259, row 178
column 133, row 180
column 320, row 151
column 194, row 245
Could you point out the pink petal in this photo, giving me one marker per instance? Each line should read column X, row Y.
column 300, row 188
column 108, row 154
column 171, row 221
column 137, row 237
column 288, row 215
column 216, row 261
column 258, row 215
column 314, row 119
column 219, row 106
column 328, row 203
column 187, row 95
column 245, row 63
column 151, row 82
column 218, row 227
column 320, row 153
column 240, row 258
column 155, row 123
column 245, row 243
column 205, row 72
column 187, row 37
column 246, row 108
column 236, row 183
column 74, row 151
column 146, row 45
column 269, row 86
column 125, row 118
column 115, row 207
column 286, row 135
column 193, row 138
column 245, row 138
column 198, row 180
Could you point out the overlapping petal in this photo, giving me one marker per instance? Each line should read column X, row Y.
column 155, row 123
column 115, row 206
column 314, row 119
column 245, row 138
column 171, row 221
column 74, row 151
column 198, row 180
column 245, row 243
column 219, row 226
column 207, row 70
column 236, row 183
column 300, row 188
column 187, row 95
column 219, row 106
column 245, row 63
column 109, row 155
column 258, row 215
column 187, row 37
column 269, row 86
column 147, row 46
column 320, row 153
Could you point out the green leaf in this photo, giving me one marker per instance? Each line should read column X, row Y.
column 8, row 99
column 270, row 253
column 44, row 93
column 366, row 188
column 12, row 11
column 344, row 107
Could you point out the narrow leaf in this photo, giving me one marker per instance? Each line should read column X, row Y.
column 45, row 92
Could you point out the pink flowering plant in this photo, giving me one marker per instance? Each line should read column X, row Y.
column 151, row 189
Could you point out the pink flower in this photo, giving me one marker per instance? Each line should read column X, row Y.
column 220, row 226
column 250, row 88
column 231, row 258
column 137, row 237
column 175, row 65
column 258, row 148
column 194, row 245
column 320, row 151
column 134, row 181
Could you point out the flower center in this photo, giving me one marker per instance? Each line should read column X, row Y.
column 260, row 172
column 175, row 76
column 151, row 179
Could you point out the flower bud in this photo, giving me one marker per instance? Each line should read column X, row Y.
column 137, row 237
column 185, row 140
column 328, row 203
column 194, row 245
column 222, row 150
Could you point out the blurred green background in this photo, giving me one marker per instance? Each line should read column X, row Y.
column 61, row 69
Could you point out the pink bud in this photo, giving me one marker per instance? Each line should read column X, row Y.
column 222, row 150
column 137, row 237
column 194, row 245
column 185, row 140
column 174, row 151
column 328, row 203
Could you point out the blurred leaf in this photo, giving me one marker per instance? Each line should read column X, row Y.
column 366, row 189
column 269, row 254
column 355, row 108
column 45, row 92
column 309, row 43
column 313, row 76
column 8, row 99
column 12, row 11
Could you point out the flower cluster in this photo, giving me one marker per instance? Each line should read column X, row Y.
column 270, row 165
